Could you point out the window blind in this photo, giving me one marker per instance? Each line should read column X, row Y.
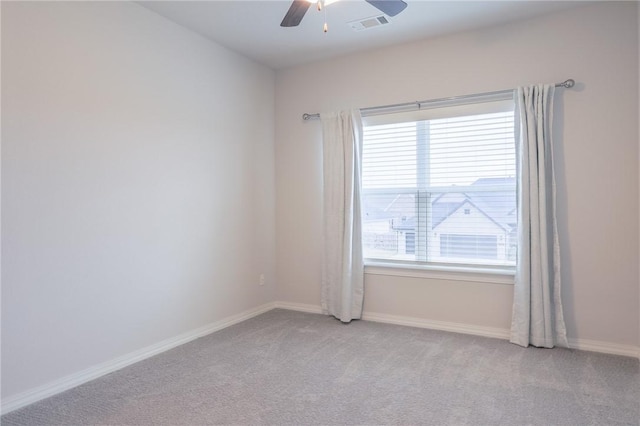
column 441, row 190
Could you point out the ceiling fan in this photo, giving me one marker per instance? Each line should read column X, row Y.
column 299, row 8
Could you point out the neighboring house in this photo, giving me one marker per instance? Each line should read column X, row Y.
column 462, row 225
column 386, row 220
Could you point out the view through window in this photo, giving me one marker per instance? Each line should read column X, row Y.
column 441, row 190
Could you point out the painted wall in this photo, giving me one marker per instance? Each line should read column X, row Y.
column 596, row 151
column 138, row 201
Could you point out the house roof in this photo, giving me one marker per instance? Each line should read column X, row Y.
column 498, row 206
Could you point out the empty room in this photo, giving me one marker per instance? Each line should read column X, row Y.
column 320, row 212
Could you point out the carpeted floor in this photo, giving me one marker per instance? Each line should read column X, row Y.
column 287, row 367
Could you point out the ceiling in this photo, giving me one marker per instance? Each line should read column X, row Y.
column 252, row 28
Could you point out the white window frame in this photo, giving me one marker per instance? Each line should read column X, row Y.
column 468, row 105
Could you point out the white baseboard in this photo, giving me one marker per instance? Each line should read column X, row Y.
column 49, row 389
column 300, row 307
column 496, row 333
column 605, row 347
column 476, row 330
column 408, row 321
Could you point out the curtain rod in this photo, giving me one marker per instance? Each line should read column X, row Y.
column 567, row 84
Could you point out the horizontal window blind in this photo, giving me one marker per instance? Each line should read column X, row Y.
column 441, row 190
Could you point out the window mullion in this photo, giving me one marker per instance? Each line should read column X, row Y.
column 423, row 197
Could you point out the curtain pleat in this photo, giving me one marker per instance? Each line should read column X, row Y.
column 537, row 317
column 342, row 263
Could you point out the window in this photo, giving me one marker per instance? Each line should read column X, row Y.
column 439, row 185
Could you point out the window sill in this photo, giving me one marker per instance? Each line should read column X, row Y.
column 503, row 276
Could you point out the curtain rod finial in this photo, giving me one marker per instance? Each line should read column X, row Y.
column 569, row 83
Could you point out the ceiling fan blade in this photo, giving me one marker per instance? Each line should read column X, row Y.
column 388, row 7
column 295, row 13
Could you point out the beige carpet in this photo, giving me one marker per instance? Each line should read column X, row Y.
column 292, row 368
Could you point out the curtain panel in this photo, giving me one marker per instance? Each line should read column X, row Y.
column 537, row 308
column 342, row 262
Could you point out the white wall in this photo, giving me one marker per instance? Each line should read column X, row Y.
column 597, row 154
column 138, row 197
